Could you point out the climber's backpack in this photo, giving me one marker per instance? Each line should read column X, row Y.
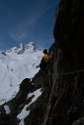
column 43, row 64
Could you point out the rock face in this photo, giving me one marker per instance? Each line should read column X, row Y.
column 62, row 101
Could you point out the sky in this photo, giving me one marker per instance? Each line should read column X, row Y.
column 23, row 21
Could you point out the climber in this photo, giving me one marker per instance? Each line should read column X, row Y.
column 45, row 60
column 46, row 65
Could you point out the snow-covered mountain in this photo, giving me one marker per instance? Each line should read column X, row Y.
column 17, row 64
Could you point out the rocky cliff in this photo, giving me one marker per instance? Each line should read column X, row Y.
column 62, row 98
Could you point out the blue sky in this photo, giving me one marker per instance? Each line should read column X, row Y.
column 23, row 21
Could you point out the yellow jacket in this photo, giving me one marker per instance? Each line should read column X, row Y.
column 46, row 58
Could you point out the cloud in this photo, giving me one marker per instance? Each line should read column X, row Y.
column 18, row 36
column 33, row 14
column 20, row 29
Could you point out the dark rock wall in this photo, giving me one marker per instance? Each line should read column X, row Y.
column 69, row 85
column 69, row 30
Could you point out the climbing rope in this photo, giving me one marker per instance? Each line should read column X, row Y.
column 67, row 73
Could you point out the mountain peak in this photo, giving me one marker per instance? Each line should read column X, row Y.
column 21, row 48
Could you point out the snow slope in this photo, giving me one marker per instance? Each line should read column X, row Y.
column 17, row 64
